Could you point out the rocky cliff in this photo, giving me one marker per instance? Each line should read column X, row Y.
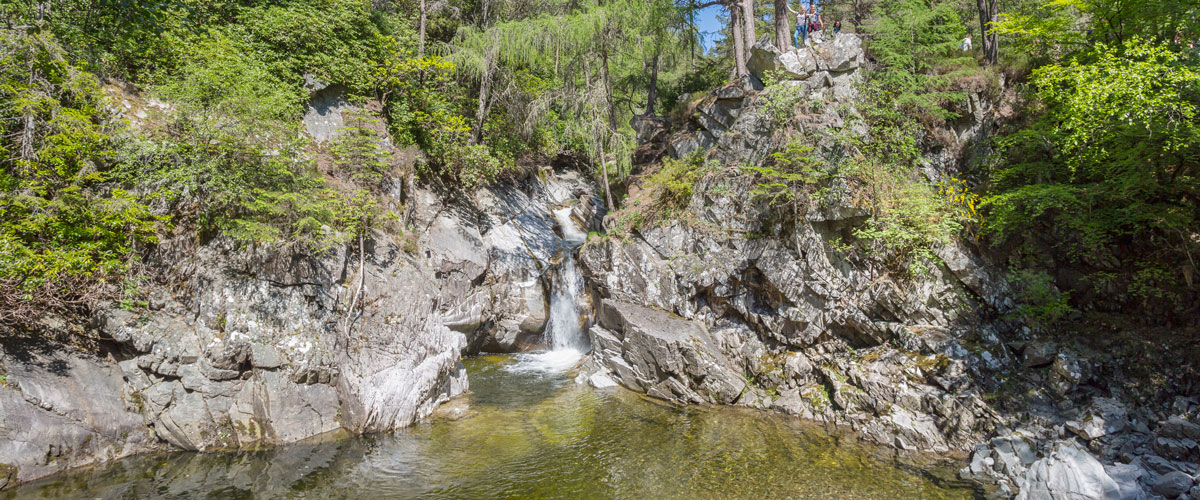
column 729, row 303
column 244, row 346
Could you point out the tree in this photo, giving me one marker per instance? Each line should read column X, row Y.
column 988, row 36
column 421, row 35
column 748, row 19
column 739, row 42
column 783, row 31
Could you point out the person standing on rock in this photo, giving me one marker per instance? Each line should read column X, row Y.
column 801, row 34
column 805, row 20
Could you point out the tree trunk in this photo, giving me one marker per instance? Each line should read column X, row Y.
column 604, row 171
column 608, row 94
column 739, row 43
column 748, row 30
column 485, row 87
column 692, row 33
column 783, row 30
column 652, row 92
column 987, row 14
column 421, row 31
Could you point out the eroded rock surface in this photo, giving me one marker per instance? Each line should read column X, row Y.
column 245, row 347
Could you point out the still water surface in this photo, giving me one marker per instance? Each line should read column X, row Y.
column 533, row 434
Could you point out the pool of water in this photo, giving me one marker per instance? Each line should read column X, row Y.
column 536, row 434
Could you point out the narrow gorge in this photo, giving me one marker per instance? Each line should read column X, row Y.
column 730, row 329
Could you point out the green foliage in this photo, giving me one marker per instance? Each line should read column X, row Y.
column 917, row 43
column 791, row 177
column 59, row 223
column 909, row 218
column 415, row 89
column 1054, row 28
column 1113, row 157
column 780, row 99
column 219, row 75
column 243, row 177
column 360, row 149
column 673, row 182
column 665, row 192
column 1039, row 303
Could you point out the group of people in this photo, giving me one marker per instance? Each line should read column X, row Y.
column 808, row 21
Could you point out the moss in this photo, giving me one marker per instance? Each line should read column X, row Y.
column 818, row 396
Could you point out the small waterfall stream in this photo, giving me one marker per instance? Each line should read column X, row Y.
column 567, row 341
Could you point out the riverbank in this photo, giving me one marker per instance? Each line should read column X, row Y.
column 532, row 434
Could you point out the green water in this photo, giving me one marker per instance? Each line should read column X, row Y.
column 537, row 435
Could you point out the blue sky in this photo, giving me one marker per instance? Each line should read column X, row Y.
column 706, row 19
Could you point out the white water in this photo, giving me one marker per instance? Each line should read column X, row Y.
column 570, row 233
column 567, row 341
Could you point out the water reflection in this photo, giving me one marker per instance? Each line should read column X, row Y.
column 534, row 435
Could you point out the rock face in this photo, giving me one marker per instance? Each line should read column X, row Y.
column 729, row 304
column 1069, row 473
column 61, row 409
column 746, row 310
column 245, row 347
column 663, row 356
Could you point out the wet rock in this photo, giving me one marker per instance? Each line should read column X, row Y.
column 601, row 380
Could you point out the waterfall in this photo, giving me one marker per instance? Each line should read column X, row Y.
column 571, row 234
column 562, row 330
column 567, row 341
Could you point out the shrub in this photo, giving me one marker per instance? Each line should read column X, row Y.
column 1039, row 303
column 63, row 231
column 794, row 173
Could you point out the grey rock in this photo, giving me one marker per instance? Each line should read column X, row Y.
column 1039, row 354
column 663, row 356
column 1068, row 473
column 844, row 53
column 325, row 117
column 262, row 350
column 601, row 380
column 66, row 410
column 766, row 60
column 1103, row 418
column 265, row 356
column 1178, row 427
column 647, row 128
column 1171, row 484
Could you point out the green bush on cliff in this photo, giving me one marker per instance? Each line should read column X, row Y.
column 1108, row 172
column 63, row 228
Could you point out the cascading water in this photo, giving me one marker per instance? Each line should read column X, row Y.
column 567, row 341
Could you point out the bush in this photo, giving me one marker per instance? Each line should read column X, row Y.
column 665, row 192
column 1039, row 303
column 793, row 174
column 1108, row 167
column 63, row 231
